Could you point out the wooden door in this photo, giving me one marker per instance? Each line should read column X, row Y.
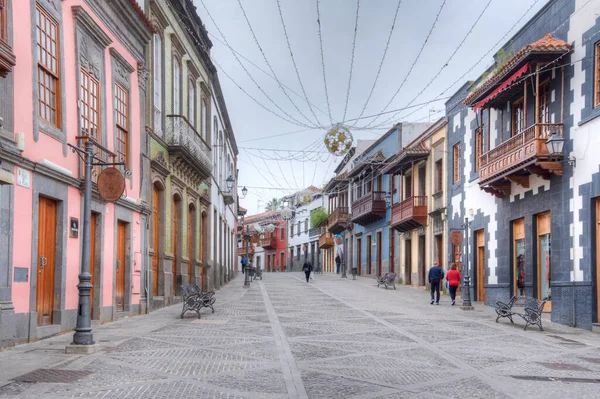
column 480, row 237
column 392, row 238
column 46, row 260
column 369, row 254
column 191, row 242
column 155, row 235
column 120, row 284
column 359, row 255
column 93, row 222
column 282, row 261
column 421, row 261
column 407, row 262
column 598, row 259
column 204, row 246
column 544, row 270
column 519, row 266
column 174, row 239
column 379, row 251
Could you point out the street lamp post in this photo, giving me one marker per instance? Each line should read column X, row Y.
column 466, row 297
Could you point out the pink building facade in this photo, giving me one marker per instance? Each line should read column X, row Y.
column 79, row 71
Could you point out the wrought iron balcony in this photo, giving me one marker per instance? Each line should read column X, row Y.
column 338, row 220
column 516, row 158
column 325, row 239
column 410, row 213
column 369, row 208
column 186, row 143
column 314, row 233
column 268, row 242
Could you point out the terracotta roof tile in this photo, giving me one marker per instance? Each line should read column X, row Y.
column 143, row 15
column 548, row 44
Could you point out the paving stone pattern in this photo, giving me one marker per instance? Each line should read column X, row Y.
column 332, row 338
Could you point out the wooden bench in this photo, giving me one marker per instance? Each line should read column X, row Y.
column 388, row 279
column 529, row 309
column 194, row 299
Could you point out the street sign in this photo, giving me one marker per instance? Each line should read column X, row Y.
column 111, row 184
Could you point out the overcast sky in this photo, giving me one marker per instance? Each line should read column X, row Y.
column 267, row 178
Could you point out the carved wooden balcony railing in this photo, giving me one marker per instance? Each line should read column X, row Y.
column 338, row 220
column 241, row 251
column 410, row 213
column 516, row 158
column 268, row 242
column 185, row 142
column 369, row 208
column 325, row 239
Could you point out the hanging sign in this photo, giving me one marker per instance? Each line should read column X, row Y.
column 456, row 237
column 111, row 184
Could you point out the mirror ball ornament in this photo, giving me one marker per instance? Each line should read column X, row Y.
column 286, row 213
column 338, row 140
column 304, row 197
column 271, row 228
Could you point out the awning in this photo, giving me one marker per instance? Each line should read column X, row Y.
column 503, row 86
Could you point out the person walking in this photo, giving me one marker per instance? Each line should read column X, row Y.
column 453, row 278
column 307, row 269
column 436, row 275
column 244, row 263
column 338, row 261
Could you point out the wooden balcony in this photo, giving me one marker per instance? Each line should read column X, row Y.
column 268, row 242
column 410, row 213
column 241, row 251
column 368, row 209
column 338, row 220
column 325, row 239
column 517, row 158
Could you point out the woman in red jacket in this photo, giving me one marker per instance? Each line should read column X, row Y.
column 453, row 278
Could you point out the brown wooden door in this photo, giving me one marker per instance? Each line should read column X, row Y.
column 519, row 266
column 156, row 234
column 120, row 283
column 421, row 261
column 174, row 239
column 282, row 260
column 359, row 255
column 544, row 271
column 407, row 262
column 369, row 254
column 46, row 260
column 379, row 252
column 598, row 259
column 480, row 237
column 392, row 239
column 204, row 246
column 93, row 222
column 191, row 242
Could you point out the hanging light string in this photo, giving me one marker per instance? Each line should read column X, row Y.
column 387, row 45
column 437, row 17
column 323, row 63
column 287, row 39
column 352, row 58
column 270, row 67
column 296, row 121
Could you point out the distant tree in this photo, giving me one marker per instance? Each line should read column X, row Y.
column 273, row 205
column 317, row 217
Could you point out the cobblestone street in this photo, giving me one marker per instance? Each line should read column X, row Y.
column 331, row 338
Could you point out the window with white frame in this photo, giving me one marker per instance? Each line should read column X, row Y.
column 176, row 86
column 191, row 102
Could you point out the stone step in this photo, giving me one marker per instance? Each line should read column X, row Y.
column 596, row 327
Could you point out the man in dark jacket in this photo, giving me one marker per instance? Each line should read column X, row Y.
column 436, row 275
column 307, row 268
column 338, row 261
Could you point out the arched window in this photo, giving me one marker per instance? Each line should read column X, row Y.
column 204, row 118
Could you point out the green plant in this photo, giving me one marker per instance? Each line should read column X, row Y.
column 317, row 217
column 273, row 205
